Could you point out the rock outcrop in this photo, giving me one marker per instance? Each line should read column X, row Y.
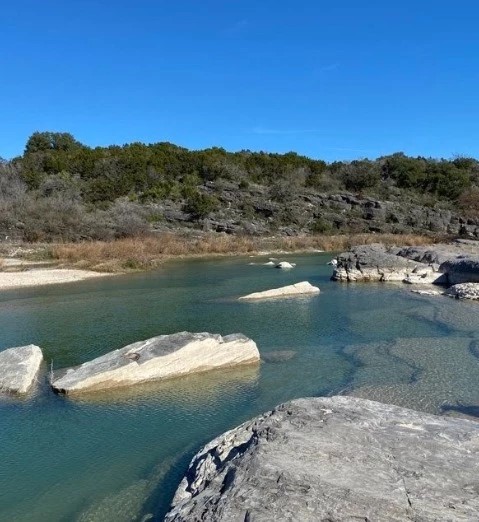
column 463, row 269
column 463, row 291
column 372, row 263
column 19, row 368
column 444, row 264
column 296, row 290
column 338, row 458
column 161, row 357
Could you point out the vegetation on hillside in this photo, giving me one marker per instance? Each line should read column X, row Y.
column 60, row 189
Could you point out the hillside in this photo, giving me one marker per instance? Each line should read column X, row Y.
column 62, row 190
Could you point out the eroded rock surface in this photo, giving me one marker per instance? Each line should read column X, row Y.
column 157, row 358
column 463, row 291
column 19, row 368
column 296, row 290
column 340, row 459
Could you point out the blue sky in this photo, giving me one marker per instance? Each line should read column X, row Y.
column 338, row 79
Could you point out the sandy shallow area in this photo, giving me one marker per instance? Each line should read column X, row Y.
column 44, row 276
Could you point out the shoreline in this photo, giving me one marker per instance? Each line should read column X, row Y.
column 33, row 274
column 45, row 276
column 29, row 265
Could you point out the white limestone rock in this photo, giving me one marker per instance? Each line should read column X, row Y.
column 19, row 368
column 158, row 358
column 284, row 265
column 296, row 290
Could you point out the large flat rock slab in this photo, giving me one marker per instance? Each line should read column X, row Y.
column 340, row 459
column 19, row 368
column 161, row 357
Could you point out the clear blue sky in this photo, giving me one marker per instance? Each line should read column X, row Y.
column 336, row 79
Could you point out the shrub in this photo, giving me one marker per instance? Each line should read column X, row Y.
column 200, row 205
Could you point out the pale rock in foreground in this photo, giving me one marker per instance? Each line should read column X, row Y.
column 463, row 291
column 19, row 368
column 296, row 290
column 338, row 458
column 161, row 357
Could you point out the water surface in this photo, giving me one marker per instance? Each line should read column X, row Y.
column 118, row 455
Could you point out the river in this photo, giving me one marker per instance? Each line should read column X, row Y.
column 116, row 456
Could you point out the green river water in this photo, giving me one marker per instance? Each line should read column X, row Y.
column 116, row 456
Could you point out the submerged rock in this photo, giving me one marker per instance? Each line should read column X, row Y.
column 19, row 368
column 157, row 358
column 338, row 458
column 463, row 291
column 296, row 290
column 427, row 292
column 278, row 356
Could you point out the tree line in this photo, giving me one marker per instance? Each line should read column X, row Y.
column 58, row 168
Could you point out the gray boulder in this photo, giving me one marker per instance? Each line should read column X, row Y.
column 463, row 269
column 451, row 263
column 335, row 459
column 19, row 368
column 372, row 263
column 161, row 357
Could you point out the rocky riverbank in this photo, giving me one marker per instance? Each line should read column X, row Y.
column 338, row 458
column 441, row 264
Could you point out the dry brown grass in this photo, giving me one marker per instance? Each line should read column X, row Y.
column 2, row 264
column 148, row 252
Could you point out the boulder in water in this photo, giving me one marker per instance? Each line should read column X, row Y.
column 19, row 368
column 284, row 265
column 161, row 357
column 296, row 290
